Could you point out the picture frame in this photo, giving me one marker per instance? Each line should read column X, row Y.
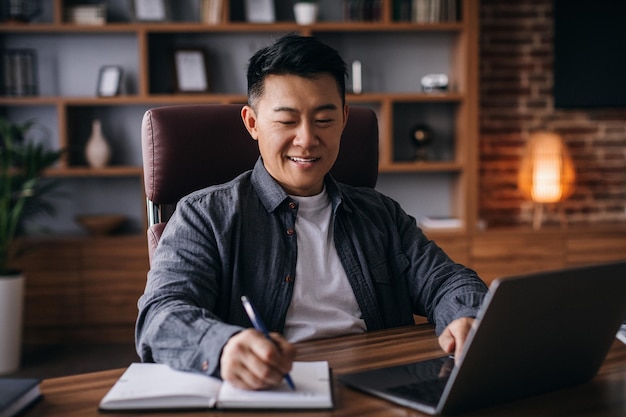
column 190, row 70
column 260, row 11
column 151, row 10
column 109, row 81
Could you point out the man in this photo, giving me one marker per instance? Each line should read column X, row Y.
column 317, row 258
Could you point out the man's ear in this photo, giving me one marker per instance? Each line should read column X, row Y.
column 249, row 121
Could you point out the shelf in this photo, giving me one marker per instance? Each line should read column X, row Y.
column 394, row 56
column 112, row 171
column 165, row 27
column 451, row 167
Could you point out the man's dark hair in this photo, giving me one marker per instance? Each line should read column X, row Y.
column 304, row 56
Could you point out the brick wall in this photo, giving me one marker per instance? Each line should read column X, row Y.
column 516, row 99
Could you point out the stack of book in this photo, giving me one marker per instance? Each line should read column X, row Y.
column 426, row 11
column 441, row 223
column 20, row 72
column 211, row 11
column 87, row 14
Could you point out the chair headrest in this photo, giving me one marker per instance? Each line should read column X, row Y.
column 189, row 147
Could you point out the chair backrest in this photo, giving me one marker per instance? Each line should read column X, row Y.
column 189, row 147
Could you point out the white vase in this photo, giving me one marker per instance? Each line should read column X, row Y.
column 305, row 13
column 97, row 151
column 11, row 317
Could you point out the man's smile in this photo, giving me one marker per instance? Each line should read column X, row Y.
column 302, row 160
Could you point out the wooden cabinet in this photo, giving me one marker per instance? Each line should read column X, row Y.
column 77, row 293
column 394, row 56
column 596, row 246
column 501, row 253
column 88, row 293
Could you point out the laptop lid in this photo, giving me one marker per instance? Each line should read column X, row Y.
column 534, row 333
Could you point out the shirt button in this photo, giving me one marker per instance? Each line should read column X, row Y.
column 289, row 279
column 205, row 366
column 290, row 231
column 292, row 205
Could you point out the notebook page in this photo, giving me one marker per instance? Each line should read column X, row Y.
column 313, row 390
column 154, row 386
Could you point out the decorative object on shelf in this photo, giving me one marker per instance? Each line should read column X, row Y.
column 260, row 11
column 20, row 72
column 421, row 137
column 305, row 12
column 434, row 83
column 22, row 197
column 97, row 150
column 100, row 224
column 357, row 77
column 546, row 174
column 211, row 11
column 151, row 10
column 191, row 71
column 22, row 11
column 109, row 80
column 87, row 14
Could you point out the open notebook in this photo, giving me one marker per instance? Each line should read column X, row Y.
column 534, row 333
column 151, row 386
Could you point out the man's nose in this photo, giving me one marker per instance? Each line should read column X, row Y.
column 306, row 135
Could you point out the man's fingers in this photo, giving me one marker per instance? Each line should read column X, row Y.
column 251, row 361
column 454, row 336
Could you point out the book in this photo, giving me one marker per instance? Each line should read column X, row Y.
column 16, row 394
column 151, row 386
column 441, row 223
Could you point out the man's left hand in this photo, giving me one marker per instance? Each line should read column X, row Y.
column 453, row 337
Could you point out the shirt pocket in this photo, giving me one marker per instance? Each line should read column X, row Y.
column 387, row 271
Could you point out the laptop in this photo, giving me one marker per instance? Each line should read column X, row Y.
column 534, row 333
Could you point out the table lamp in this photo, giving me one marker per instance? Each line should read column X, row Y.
column 546, row 174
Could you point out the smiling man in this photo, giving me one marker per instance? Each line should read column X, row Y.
column 317, row 258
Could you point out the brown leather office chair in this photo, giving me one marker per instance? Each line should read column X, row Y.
column 189, row 147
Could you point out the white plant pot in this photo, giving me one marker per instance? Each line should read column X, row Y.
column 11, row 316
column 305, row 13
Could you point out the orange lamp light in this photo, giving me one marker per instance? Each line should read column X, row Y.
column 546, row 174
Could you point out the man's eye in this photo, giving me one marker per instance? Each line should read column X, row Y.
column 286, row 122
column 324, row 122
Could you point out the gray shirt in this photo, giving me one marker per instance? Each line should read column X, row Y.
column 239, row 239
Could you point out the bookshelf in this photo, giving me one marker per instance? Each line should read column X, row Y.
column 70, row 55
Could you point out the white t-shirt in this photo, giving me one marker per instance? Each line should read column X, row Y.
column 323, row 303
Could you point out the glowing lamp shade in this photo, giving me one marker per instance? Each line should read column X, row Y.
column 546, row 172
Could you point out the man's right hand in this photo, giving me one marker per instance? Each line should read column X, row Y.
column 251, row 361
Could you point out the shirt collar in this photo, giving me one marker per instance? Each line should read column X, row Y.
column 272, row 194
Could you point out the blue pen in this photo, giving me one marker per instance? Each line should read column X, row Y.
column 260, row 326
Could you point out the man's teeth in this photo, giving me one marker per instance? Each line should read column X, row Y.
column 296, row 159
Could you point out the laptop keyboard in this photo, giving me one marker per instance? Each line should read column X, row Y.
column 427, row 392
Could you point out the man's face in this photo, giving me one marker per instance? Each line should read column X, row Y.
column 298, row 123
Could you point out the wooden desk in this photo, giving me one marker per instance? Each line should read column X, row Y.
column 605, row 395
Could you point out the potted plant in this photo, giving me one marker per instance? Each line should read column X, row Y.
column 305, row 11
column 22, row 192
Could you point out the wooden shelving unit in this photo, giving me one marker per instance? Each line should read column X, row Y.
column 391, row 86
